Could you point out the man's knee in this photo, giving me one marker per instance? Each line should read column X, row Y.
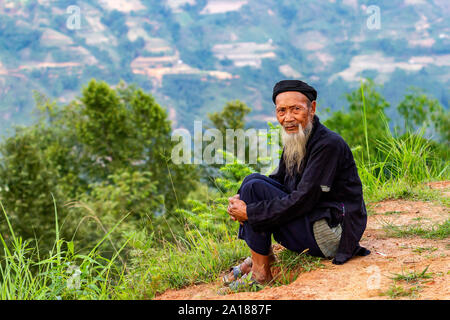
column 252, row 177
column 250, row 188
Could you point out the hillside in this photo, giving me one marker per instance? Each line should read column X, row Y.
column 194, row 55
column 391, row 271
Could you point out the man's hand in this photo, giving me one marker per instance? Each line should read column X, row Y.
column 237, row 209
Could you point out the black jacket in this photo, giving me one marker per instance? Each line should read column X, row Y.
column 327, row 186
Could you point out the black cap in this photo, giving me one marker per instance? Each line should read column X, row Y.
column 294, row 85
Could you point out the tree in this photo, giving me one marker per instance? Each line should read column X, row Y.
column 126, row 128
column 28, row 178
column 350, row 125
column 110, row 150
column 231, row 117
column 419, row 110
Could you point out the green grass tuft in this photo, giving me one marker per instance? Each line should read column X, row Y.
column 436, row 231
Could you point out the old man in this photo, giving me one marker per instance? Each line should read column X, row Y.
column 313, row 201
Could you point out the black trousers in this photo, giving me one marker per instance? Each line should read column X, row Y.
column 296, row 235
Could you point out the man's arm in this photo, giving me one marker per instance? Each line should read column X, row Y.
column 318, row 177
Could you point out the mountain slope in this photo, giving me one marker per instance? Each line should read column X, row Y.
column 194, row 55
column 370, row 277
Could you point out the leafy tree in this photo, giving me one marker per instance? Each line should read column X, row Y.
column 106, row 153
column 231, row 117
column 126, row 128
column 442, row 123
column 350, row 125
column 28, row 178
column 419, row 110
column 422, row 112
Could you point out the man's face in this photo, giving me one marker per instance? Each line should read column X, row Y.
column 292, row 110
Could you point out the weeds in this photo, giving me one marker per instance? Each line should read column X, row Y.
column 291, row 264
column 436, row 231
column 413, row 276
column 413, row 280
column 208, row 244
column 396, row 291
column 64, row 274
column 419, row 250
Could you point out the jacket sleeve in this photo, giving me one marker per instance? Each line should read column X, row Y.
column 317, row 177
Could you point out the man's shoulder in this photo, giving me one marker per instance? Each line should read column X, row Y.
column 331, row 139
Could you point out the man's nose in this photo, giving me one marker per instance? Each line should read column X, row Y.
column 289, row 116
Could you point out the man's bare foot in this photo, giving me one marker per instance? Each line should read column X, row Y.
column 261, row 271
column 261, row 267
column 260, row 275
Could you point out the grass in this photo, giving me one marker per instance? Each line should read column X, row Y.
column 396, row 291
column 286, row 269
column 436, row 231
column 400, row 166
column 413, row 281
column 388, row 213
column 208, row 247
column 291, row 264
column 63, row 274
column 419, row 250
column 200, row 258
column 413, row 276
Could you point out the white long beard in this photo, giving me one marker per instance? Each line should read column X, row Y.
column 295, row 147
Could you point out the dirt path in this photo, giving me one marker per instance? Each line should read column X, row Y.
column 367, row 277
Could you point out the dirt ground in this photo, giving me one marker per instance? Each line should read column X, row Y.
column 367, row 277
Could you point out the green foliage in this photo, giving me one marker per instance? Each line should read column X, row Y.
column 409, row 158
column 403, row 163
column 231, row 117
column 207, row 246
column 109, row 150
column 389, row 165
column 105, row 160
column 125, row 191
column 28, row 177
column 63, row 274
column 418, row 110
column 363, row 116
column 291, row 264
column 395, row 291
column 233, row 174
column 436, row 231
column 422, row 112
column 413, row 276
column 198, row 258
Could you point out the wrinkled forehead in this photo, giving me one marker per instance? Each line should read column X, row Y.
column 291, row 98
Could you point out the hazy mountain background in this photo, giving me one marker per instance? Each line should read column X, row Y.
column 195, row 55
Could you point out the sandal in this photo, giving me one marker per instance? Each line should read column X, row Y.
column 237, row 272
column 246, row 283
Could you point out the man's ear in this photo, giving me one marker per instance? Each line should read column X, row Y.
column 313, row 108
